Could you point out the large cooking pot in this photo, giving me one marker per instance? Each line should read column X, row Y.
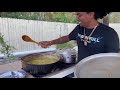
column 39, row 68
column 104, row 65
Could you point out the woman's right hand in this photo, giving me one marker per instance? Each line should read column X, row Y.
column 45, row 44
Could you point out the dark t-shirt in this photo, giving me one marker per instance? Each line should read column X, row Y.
column 104, row 40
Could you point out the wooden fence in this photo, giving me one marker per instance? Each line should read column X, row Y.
column 13, row 29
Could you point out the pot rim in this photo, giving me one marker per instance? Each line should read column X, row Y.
column 23, row 60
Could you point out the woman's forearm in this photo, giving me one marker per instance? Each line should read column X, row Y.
column 60, row 40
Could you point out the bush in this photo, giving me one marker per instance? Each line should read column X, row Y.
column 5, row 48
column 67, row 45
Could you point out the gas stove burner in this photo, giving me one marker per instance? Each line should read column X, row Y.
column 39, row 75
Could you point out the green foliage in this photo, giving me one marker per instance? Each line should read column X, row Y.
column 66, row 17
column 67, row 45
column 5, row 48
column 20, row 15
column 115, row 17
column 61, row 17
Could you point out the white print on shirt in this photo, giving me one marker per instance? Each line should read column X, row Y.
column 91, row 39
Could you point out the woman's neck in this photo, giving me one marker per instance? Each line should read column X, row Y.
column 92, row 24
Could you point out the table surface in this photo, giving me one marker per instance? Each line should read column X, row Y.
column 13, row 66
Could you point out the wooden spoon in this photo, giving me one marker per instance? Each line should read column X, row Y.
column 28, row 39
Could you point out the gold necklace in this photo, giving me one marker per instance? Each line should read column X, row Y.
column 86, row 38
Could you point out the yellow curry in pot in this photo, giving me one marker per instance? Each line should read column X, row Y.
column 42, row 61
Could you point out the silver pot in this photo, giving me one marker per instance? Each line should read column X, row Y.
column 104, row 65
column 67, row 56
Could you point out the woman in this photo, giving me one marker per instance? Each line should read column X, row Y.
column 92, row 36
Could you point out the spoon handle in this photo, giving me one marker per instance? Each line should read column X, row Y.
column 35, row 42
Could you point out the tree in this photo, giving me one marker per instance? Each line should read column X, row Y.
column 66, row 17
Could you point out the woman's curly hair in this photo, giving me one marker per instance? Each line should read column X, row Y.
column 100, row 15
